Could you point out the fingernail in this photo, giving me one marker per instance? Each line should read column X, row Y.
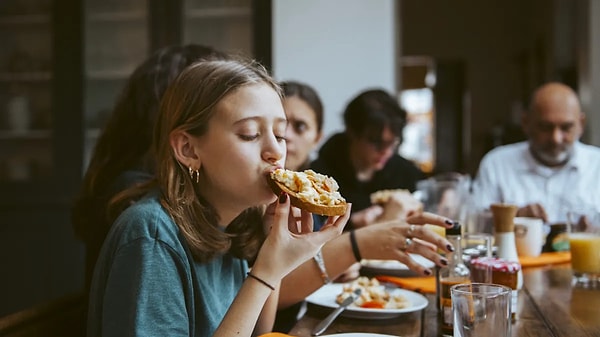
column 282, row 197
column 450, row 248
column 444, row 262
column 451, row 222
column 427, row 272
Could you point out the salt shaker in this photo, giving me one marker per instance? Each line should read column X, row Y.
column 504, row 234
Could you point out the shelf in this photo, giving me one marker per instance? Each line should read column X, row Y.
column 229, row 12
column 30, row 76
column 117, row 16
column 25, row 19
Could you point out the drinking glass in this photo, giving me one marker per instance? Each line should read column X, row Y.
column 475, row 246
column 584, row 241
column 481, row 309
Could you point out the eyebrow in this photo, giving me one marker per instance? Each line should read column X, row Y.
column 257, row 118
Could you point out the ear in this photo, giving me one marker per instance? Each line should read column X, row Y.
column 184, row 149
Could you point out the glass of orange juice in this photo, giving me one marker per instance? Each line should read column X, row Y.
column 584, row 242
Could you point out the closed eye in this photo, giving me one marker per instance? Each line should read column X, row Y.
column 249, row 138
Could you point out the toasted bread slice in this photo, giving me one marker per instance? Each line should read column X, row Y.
column 308, row 190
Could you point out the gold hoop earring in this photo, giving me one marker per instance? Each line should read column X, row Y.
column 195, row 173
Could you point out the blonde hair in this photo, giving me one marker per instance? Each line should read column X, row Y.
column 188, row 105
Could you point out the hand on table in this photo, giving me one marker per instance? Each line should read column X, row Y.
column 533, row 211
column 393, row 240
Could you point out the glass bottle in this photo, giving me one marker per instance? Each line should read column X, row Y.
column 455, row 272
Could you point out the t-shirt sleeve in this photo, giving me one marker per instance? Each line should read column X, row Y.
column 145, row 292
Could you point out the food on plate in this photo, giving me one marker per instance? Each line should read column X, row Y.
column 374, row 295
column 309, row 190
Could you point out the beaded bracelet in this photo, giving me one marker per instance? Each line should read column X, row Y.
column 260, row 280
column 354, row 245
column 321, row 264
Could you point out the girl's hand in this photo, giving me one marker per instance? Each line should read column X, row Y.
column 393, row 240
column 289, row 243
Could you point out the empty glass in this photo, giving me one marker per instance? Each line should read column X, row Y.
column 481, row 309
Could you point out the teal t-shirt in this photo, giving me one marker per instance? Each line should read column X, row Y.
column 146, row 282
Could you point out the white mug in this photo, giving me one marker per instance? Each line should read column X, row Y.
column 529, row 236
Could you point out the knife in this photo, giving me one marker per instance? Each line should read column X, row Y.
column 321, row 327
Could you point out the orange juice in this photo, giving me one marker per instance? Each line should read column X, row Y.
column 585, row 252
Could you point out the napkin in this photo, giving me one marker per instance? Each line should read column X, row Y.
column 545, row 259
column 418, row 284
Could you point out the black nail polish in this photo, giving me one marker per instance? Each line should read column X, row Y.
column 450, row 248
column 449, row 222
column 282, row 198
column 444, row 262
column 427, row 272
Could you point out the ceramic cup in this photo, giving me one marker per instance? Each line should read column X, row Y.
column 529, row 236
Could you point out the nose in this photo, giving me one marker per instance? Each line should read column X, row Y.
column 273, row 149
column 558, row 136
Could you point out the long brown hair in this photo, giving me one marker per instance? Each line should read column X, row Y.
column 188, row 105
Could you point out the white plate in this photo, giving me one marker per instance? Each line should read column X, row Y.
column 393, row 267
column 358, row 334
column 325, row 296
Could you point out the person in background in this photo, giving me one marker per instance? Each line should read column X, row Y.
column 304, row 111
column 550, row 172
column 122, row 155
column 175, row 261
column 364, row 158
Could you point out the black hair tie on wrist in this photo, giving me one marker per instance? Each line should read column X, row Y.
column 260, row 280
column 354, row 245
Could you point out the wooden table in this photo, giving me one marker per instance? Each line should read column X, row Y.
column 548, row 305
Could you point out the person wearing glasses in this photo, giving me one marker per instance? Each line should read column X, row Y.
column 364, row 157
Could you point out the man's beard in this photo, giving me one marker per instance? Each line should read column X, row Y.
column 551, row 159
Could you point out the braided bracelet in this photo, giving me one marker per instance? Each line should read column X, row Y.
column 260, row 280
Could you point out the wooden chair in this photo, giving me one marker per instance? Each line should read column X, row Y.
column 64, row 317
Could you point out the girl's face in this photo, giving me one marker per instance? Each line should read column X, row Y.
column 245, row 140
column 302, row 133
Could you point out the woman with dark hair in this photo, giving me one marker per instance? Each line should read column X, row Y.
column 304, row 111
column 364, row 159
column 122, row 157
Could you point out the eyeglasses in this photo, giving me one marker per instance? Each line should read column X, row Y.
column 381, row 144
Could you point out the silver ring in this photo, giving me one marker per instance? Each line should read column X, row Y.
column 407, row 243
column 411, row 229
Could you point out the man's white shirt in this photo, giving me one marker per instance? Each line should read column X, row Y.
column 510, row 174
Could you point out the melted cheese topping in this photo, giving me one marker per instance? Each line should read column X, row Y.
column 310, row 186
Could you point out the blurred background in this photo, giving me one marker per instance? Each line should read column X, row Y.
column 462, row 69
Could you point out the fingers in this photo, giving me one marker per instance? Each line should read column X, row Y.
column 337, row 222
column 422, row 218
column 533, row 210
column 306, row 221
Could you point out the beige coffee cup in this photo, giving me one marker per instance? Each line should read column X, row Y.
column 529, row 236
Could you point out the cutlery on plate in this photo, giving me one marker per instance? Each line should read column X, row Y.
column 324, row 324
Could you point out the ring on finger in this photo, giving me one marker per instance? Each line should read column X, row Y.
column 407, row 243
column 411, row 229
